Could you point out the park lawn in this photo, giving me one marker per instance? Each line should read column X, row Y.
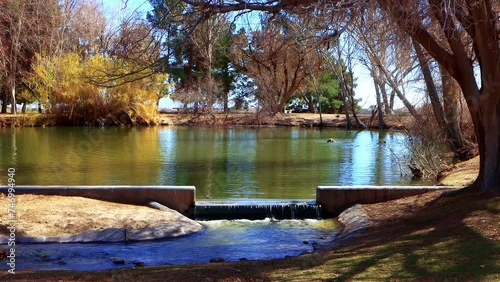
column 429, row 239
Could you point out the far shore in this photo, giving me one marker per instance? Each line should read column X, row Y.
column 236, row 118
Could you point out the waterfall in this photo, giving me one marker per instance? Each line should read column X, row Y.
column 212, row 210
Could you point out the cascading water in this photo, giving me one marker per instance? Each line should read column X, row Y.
column 292, row 209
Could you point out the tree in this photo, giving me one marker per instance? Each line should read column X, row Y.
column 461, row 35
column 26, row 28
column 321, row 93
column 64, row 89
column 83, row 27
column 447, row 111
column 196, row 56
column 277, row 62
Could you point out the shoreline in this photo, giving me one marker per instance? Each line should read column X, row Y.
column 233, row 119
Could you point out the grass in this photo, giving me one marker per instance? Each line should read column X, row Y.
column 450, row 239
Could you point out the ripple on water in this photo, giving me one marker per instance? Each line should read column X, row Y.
column 231, row 240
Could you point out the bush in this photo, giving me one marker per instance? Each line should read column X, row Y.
column 96, row 90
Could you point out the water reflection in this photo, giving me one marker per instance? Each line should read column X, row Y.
column 222, row 163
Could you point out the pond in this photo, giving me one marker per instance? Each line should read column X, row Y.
column 229, row 163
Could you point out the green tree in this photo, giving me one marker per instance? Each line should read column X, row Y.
column 195, row 57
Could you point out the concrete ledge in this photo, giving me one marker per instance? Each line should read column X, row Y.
column 335, row 199
column 179, row 198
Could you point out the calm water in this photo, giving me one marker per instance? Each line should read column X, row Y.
column 285, row 163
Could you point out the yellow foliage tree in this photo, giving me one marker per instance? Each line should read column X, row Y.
column 86, row 91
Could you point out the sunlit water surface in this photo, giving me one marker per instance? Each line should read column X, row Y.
column 234, row 163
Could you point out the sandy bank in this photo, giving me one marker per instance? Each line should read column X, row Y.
column 77, row 219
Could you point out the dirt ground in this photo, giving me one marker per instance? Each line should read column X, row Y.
column 234, row 118
column 290, row 119
column 460, row 174
column 39, row 215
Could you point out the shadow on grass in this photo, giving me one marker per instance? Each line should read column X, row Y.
column 434, row 244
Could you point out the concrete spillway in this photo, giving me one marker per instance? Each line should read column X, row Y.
column 330, row 200
column 255, row 209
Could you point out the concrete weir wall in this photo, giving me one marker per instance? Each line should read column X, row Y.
column 179, row 198
column 335, row 199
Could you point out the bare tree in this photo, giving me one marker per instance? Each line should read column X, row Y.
column 446, row 111
column 277, row 62
column 26, row 28
column 388, row 55
column 459, row 34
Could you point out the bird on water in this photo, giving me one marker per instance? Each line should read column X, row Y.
column 331, row 140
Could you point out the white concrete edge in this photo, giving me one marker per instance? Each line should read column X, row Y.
column 112, row 235
column 373, row 187
column 65, row 187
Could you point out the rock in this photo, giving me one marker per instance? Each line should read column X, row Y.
column 3, row 254
column 305, row 242
column 355, row 221
column 217, row 259
column 315, row 246
column 116, row 260
column 138, row 263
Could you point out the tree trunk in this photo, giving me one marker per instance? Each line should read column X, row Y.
column 432, row 92
column 487, row 122
column 451, row 96
column 381, row 123
column 345, row 106
column 391, row 99
column 226, row 101
column 310, row 105
column 5, row 99
column 11, row 89
column 398, row 92
column 387, row 106
column 354, row 114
